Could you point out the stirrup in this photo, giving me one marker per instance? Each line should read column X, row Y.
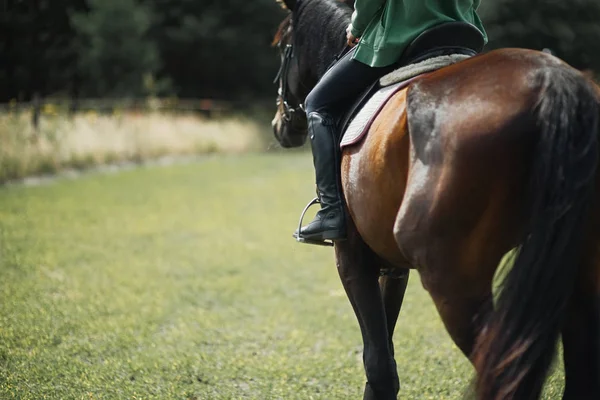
column 299, row 238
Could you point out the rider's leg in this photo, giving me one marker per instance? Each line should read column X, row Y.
column 343, row 82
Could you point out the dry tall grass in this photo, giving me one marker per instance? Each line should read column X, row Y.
column 90, row 139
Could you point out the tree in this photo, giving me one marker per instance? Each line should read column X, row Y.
column 116, row 55
column 36, row 47
column 569, row 28
column 217, row 48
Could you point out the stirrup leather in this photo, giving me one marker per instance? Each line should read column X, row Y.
column 299, row 237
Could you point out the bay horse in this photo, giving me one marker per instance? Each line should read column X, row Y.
column 495, row 153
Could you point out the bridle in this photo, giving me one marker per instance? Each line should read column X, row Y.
column 289, row 108
column 282, row 93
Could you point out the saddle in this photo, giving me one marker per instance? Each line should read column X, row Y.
column 435, row 48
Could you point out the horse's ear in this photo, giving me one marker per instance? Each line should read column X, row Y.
column 289, row 4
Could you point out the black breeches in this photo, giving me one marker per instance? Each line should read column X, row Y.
column 341, row 85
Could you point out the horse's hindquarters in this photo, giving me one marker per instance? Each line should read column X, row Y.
column 471, row 136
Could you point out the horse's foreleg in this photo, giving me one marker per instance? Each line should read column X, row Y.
column 393, row 287
column 359, row 273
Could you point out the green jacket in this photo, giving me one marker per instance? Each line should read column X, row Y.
column 386, row 27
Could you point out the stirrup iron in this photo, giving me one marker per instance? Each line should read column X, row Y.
column 299, row 238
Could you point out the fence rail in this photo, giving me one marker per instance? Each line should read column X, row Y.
column 208, row 108
column 38, row 107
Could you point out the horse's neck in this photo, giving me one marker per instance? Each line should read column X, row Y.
column 322, row 28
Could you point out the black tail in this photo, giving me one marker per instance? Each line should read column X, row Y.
column 517, row 346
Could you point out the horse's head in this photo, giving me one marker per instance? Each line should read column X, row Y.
column 289, row 124
column 308, row 41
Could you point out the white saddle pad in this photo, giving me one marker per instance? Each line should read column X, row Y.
column 429, row 65
column 392, row 83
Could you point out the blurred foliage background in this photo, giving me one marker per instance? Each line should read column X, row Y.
column 92, row 82
column 570, row 29
column 112, row 48
column 216, row 49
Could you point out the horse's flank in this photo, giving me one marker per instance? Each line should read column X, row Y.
column 384, row 153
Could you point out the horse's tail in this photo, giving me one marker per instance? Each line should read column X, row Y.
column 517, row 345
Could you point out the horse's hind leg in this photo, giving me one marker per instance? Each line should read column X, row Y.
column 581, row 343
column 463, row 316
column 462, row 292
column 359, row 272
column 581, row 339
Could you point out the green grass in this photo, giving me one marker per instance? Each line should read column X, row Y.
column 183, row 282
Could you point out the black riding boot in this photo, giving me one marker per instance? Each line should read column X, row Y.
column 329, row 223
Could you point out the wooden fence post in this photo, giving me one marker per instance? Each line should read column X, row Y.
column 35, row 116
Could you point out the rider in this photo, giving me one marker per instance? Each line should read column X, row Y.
column 385, row 29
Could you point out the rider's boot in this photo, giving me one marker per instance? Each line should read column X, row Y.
column 329, row 223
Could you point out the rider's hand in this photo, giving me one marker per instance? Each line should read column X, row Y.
column 351, row 39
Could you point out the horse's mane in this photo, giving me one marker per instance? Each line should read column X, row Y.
column 349, row 3
column 320, row 32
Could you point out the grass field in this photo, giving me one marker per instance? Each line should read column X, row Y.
column 183, row 282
